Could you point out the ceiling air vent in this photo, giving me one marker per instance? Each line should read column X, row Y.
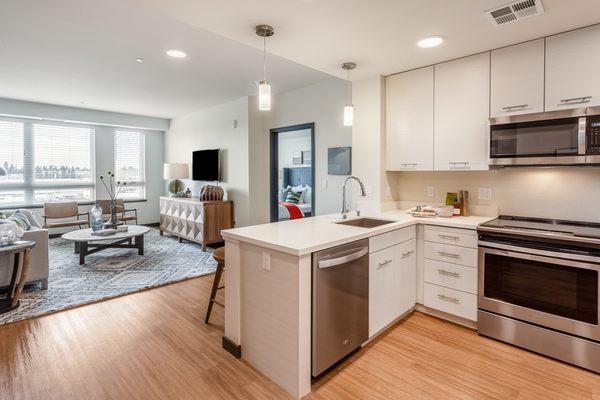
column 514, row 11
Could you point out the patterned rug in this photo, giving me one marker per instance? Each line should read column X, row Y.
column 110, row 273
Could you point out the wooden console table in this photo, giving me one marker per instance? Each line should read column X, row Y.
column 195, row 220
column 21, row 251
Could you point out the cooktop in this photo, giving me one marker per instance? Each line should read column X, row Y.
column 542, row 227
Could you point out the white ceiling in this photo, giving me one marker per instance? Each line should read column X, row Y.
column 68, row 51
column 379, row 35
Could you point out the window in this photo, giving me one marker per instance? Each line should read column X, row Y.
column 42, row 162
column 129, row 163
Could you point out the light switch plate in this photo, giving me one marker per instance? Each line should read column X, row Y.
column 324, row 184
column 266, row 260
column 430, row 191
column 485, row 194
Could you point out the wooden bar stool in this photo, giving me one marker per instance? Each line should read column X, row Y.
column 219, row 256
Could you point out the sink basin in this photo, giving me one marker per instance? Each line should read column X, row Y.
column 365, row 222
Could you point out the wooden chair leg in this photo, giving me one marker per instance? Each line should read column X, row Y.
column 213, row 292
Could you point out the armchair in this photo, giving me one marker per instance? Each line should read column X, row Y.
column 64, row 211
column 105, row 206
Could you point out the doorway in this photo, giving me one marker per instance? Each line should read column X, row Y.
column 292, row 170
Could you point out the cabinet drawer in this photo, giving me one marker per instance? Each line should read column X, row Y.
column 451, row 301
column 379, row 242
column 459, row 237
column 451, row 253
column 452, row 276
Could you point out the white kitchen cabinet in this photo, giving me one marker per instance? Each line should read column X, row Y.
column 392, row 284
column 572, row 78
column 461, row 104
column 517, row 79
column 410, row 120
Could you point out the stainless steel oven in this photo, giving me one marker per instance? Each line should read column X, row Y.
column 540, row 289
column 567, row 137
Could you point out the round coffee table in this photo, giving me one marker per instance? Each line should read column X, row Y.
column 86, row 243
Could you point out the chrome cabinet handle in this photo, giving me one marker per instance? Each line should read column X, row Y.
column 443, row 253
column 449, row 237
column 459, row 165
column 514, row 108
column 408, row 253
column 449, row 273
column 384, row 263
column 446, row 298
column 413, row 165
column 576, row 100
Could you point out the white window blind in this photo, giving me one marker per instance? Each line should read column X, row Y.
column 129, row 162
column 62, row 154
column 11, row 152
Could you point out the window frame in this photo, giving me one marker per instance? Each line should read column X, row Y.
column 29, row 186
column 142, row 158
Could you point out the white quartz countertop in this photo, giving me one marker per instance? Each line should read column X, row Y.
column 307, row 235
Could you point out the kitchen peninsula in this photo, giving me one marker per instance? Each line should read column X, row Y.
column 268, row 314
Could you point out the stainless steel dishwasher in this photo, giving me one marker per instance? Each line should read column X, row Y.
column 340, row 303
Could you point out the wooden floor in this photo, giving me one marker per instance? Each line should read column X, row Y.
column 154, row 345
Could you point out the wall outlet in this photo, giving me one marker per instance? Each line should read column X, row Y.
column 266, row 260
column 485, row 194
column 324, row 184
column 430, row 191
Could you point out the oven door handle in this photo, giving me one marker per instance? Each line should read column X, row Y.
column 506, row 250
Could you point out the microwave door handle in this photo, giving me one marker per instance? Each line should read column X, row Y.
column 581, row 136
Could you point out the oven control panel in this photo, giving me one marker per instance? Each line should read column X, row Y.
column 593, row 135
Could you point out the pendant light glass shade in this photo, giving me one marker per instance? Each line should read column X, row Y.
column 264, row 96
column 348, row 115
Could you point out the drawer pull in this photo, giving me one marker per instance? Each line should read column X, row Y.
column 409, row 165
column 459, row 165
column 446, row 298
column 576, row 100
column 408, row 253
column 444, row 254
column 383, row 263
column 520, row 107
column 449, row 273
column 449, row 237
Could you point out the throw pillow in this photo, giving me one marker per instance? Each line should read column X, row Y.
column 31, row 218
column 20, row 219
column 284, row 192
column 293, row 197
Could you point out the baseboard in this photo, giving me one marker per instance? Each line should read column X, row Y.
column 467, row 323
column 232, row 348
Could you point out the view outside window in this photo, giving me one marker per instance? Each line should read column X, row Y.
column 129, row 163
column 11, row 152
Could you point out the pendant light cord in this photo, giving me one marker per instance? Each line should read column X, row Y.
column 264, row 58
column 348, row 86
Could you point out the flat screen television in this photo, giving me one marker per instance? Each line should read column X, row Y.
column 205, row 165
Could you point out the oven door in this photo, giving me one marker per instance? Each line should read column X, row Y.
column 553, row 292
column 545, row 142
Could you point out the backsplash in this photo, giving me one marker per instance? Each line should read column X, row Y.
column 561, row 193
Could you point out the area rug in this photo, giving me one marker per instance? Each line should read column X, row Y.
column 110, row 273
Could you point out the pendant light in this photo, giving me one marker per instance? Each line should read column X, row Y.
column 264, row 87
column 349, row 108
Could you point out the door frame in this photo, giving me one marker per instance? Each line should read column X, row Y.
column 274, row 165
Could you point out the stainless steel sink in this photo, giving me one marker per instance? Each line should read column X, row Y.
column 365, row 222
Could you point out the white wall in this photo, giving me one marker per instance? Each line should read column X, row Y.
column 323, row 104
column 212, row 128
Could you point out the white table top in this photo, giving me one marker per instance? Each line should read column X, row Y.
column 85, row 235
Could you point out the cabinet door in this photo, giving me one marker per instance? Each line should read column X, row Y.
column 517, row 79
column 461, row 127
column 383, row 297
column 572, row 77
column 410, row 121
column 406, row 276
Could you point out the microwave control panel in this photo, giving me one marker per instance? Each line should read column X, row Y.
column 593, row 135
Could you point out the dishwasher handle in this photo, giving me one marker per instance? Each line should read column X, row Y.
column 344, row 259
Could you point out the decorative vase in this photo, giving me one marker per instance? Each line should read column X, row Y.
column 211, row 193
column 176, row 188
column 113, row 222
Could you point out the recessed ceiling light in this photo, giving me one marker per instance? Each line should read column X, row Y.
column 139, row 59
column 430, row 41
column 176, row 53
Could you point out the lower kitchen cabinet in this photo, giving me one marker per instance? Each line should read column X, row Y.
column 392, row 284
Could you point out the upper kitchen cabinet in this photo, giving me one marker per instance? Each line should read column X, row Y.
column 462, row 99
column 410, row 121
column 517, row 79
column 572, row 78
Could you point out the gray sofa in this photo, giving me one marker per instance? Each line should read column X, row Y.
column 38, row 263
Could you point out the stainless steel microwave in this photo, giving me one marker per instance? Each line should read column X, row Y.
column 565, row 137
